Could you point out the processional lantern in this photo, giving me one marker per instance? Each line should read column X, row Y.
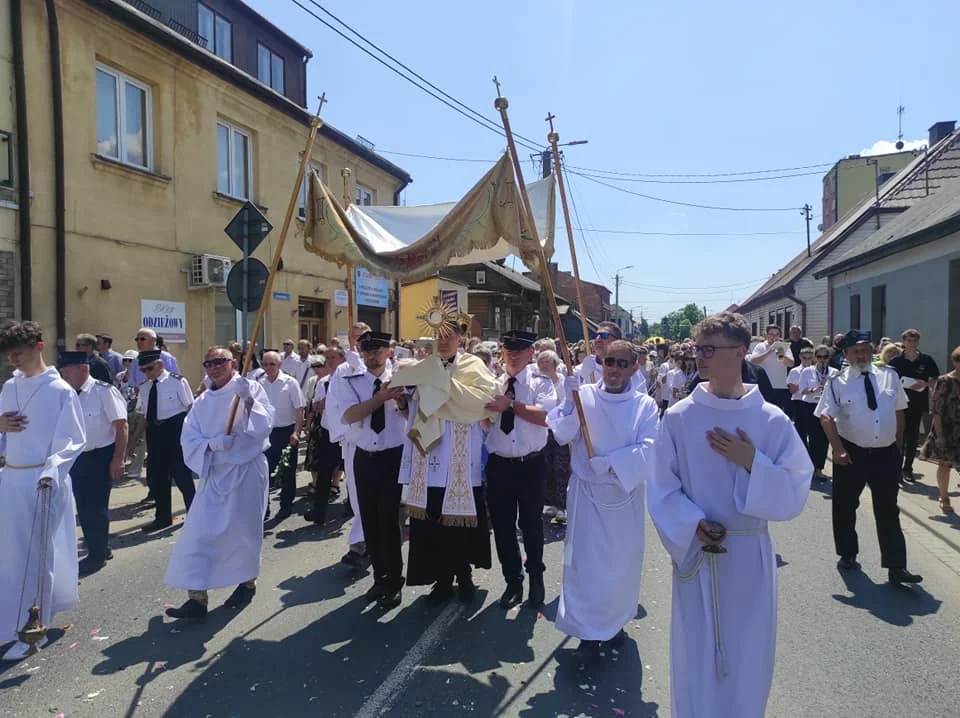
column 33, row 630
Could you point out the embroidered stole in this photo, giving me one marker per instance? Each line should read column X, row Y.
column 459, row 507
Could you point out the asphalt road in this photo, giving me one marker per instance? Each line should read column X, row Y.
column 848, row 645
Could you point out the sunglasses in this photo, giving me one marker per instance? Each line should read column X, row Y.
column 708, row 350
column 140, row 339
column 218, row 361
column 603, row 335
column 620, row 363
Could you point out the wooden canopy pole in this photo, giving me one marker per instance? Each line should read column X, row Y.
column 315, row 124
column 351, row 270
column 554, row 138
column 501, row 105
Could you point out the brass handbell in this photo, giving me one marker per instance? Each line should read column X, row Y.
column 33, row 631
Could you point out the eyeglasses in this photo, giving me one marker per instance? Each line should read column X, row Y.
column 603, row 335
column 708, row 350
column 218, row 361
column 620, row 363
column 955, row 360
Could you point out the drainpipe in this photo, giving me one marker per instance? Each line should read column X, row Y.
column 60, row 204
column 23, row 161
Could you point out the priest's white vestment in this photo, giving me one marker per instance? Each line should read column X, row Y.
column 222, row 536
column 603, row 550
column 724, row 617
column 52, row 440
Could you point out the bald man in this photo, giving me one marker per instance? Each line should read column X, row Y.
column 147, row 341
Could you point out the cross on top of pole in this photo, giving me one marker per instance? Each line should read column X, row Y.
column 550, row 118
column 323, row 101
column 497, row 83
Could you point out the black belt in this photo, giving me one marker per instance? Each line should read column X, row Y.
column 518, row 459
column 378, row 453
column 867, row 449
column 168, row 420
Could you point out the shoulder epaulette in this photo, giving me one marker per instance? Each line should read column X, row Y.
column 176, row 376
column 354, row 376
column 101, row 383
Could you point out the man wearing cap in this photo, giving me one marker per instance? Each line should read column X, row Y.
column 113, row 359
column 374, row 414
column 41, row 435
column 283, row 393
column 861, row 411
column 164, row 400
column 101, row 463
column 516, row 469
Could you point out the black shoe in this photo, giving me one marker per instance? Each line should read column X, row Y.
column 848, row 563
column 191, row 609
column 537, row 594
column 391, row 598
column 90, row 565
column 316, row 517
column 588, row 651
column 466, row 588
column 375, row 592
column 241, row 596
column 156, row 526
column 616, row 641
column 440, row 593
column 908, row 475
column 352, row 558
column 900, row 576
column 283, row 513
column 512, row 596
column 109, row 555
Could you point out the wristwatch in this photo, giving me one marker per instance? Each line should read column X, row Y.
column 512, row 402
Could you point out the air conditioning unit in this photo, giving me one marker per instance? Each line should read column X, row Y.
column 208, row 270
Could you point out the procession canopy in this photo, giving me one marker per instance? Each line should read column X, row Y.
column 413, row 243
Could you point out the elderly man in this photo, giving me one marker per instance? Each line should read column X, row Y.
column 101, row 463
column 114, row 359
column 99, row 369
column 283, row 393
column 605, row 499
column 222, row 537
column 146, row 340
column 41, row 435
column 289, row 360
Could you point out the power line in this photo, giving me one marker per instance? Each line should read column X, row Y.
column 466, row 110
column 745, row 283
column 435, row 157
column 701, row 174
column 583, row 239
column 728, row 180
column 686, row 234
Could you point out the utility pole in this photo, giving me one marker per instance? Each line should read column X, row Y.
column 807, row 212
column 616, row 291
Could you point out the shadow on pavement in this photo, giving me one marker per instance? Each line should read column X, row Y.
column 892, row 604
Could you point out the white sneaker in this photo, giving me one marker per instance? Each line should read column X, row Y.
column 20, row 650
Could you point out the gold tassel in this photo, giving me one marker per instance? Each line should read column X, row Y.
column 415, row 512
column 459, row 521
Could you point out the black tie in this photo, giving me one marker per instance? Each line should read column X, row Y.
column 507, row 418
column 871, row 396
column 152, row 402
column 378, row 420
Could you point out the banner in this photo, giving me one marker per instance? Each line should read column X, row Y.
column 167, row 319
column 371, row 290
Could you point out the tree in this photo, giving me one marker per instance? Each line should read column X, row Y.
column 644, row 328
column 679, row 324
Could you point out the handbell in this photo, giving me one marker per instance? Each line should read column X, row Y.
column 34, row 631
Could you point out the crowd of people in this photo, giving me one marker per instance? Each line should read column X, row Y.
column 713, row 437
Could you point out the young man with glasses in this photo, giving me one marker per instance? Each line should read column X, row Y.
column 164, row 401
column 921, row 371
column 726, row 464
column 222, row 537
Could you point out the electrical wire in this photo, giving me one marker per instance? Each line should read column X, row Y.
column 767, row 178
column 686, row 234
column 744, row 283
column 701, row 174
column 583, row 239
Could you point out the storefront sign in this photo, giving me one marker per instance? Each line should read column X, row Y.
column 281, row 296
column 372, row 291
column 168, row 319
column 340, row 297
column 450, row 298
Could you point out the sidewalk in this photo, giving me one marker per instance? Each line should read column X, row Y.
column 919, row 503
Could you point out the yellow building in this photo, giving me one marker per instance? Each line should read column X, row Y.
column 414, row 297
column 855, row 178
column 168, row 127
column 8, row 195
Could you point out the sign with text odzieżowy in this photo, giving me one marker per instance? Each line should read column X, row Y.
column 168, row 319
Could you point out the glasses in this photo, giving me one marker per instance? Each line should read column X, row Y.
column 603, row 335
column 218, row 361
column 708, row 350
column 620, row 363
column 140, row 339
column 955, row 360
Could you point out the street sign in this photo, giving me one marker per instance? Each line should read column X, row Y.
column 257, row 274
column 341, row 298
column 248, row 228
column 282, row 296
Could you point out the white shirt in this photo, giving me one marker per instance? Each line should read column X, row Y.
column 174, row 395
column 291, row 365
column 530, row 389
column 845, row 399
column 357, row 388
column 794, row 378
column 775, row 368
column 101, row 404
column 285, row 396
column 812, row 378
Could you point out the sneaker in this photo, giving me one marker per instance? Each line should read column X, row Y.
column 192, row 609
column 20, row 650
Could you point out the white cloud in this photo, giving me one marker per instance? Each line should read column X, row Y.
column 885, row 147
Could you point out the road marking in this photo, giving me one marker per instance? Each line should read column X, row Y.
column 392, row 686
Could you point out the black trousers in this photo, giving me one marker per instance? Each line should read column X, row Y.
column 880, row 469
column 811, row 431
column 515, row 497
column 325, row 459
column 781, row 398
column 378, row 495
column 165, row 463
column 911, row 433
column 280, row 440
column 90, row 476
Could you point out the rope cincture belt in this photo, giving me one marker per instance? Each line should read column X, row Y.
column 23, row 468
column 715, row 594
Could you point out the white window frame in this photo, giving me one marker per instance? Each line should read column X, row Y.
column 283, row 65
column 234, row 130
column 360, row 191
column 122, row 79
column 212, row 40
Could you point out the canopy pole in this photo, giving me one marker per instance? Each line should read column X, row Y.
column 351, row 270
column 554, row 138
column 315, row 123
column 501, row 105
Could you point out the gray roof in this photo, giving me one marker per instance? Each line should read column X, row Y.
column 925, row 214
column 515, row 277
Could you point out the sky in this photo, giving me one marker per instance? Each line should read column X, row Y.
column 678, row 88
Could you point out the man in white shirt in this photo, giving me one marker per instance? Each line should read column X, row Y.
column 773, row 356
column 862, row 413
column 375, row 419
column 516, row 469
column 101, row 463
column 283, row 393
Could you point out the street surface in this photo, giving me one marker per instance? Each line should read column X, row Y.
column 849, row 645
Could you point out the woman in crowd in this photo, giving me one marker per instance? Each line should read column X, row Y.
column 889, row 352
column 557, row 457
column 812, row 381
column 943, row 442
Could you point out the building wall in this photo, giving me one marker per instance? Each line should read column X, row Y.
column 918, row 286
column 852, row 180
column 414, row 297
column 138, row 229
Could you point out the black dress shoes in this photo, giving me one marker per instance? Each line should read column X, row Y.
column 537, row 594
column 512, row 596
column 391, row 598
column 588, row 652
column 374, row 593
column 156, row 526
column 466, row 590
column 900, row 576
column 441, row 592
column 192, row 609
column 848, row 563
column 616, row 641
column 90, row 565
column 241, row 596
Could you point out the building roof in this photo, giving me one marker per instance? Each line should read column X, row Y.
column 516, row 277
column 920, row 222
column 925, row 175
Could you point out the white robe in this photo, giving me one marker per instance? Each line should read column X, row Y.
column 722, row 668
column 53, row 438
column 222, row 536
column 603, row 549
column 340, row 432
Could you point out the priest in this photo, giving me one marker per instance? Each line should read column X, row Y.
column 605, row 501
column 41, row 435
column 726, row 463
column 222, row 535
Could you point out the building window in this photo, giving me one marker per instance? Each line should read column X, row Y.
column 364, row 196
column 771, row 320
column 216, row 31
column 234, row 162
column 6, row 159
column 496, row 318
column 123, row 118
column 854, row 310
column 753, row 329
column 302, row 201
column 878, row 311
column 270, row 68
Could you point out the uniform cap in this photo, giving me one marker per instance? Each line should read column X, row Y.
column 517, row 340
column 72, row 359
column 149, row 357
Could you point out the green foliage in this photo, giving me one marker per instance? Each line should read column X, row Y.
column 679, row 324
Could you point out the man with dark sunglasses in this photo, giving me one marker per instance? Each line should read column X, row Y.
column 591, row 370
column 146, row 340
